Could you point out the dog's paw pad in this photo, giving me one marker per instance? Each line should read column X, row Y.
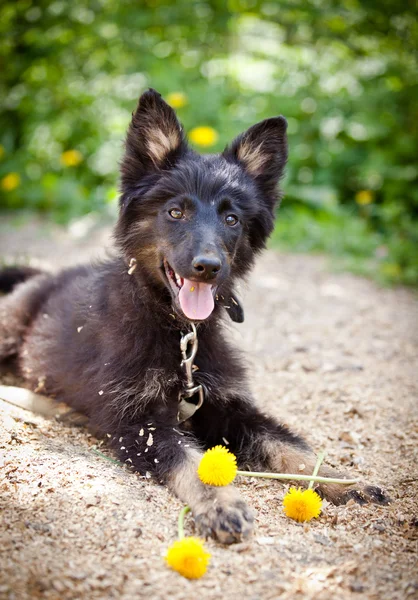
column 228, row 523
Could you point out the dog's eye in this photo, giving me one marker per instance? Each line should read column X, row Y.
column 231, row 220
column 175, row 213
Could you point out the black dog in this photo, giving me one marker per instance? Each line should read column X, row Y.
column 105, row 338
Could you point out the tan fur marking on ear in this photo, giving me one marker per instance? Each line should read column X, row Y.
column 252, row 156
column 160, row 143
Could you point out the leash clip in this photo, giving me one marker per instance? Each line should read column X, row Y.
column 188, row 405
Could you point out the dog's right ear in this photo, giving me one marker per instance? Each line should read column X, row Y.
column 155, row 139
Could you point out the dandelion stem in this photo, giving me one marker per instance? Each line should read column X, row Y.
column 112, row 460
column 296, row 477
column 182, row 514
column 320, row 458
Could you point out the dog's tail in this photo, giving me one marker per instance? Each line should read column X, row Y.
column 11, row 276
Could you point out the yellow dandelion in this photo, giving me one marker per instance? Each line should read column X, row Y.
column 204, row 136
column 71, row 158
column 218, row 466
column 302, row 505
column 177, row 99
column 2, row 151
column 364, row 197
column 391, row 270
column 188, row 557
column 10, row 182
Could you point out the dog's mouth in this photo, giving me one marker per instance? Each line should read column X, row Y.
column 194, row 298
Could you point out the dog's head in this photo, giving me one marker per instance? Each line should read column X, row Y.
column 194, row 223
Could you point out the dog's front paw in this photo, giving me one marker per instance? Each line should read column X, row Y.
column 227, row 522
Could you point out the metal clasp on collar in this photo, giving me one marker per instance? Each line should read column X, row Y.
column 192, row 396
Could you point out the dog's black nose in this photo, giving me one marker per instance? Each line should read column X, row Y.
column 207, row 266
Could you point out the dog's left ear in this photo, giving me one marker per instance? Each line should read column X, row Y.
column 155, row 138
column 262, row 151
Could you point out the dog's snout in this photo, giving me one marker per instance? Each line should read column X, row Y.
column 207, row 266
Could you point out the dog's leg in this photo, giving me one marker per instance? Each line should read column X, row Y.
column 283, row 457
column 172, row 457
column 261, row 443
column 219, row 512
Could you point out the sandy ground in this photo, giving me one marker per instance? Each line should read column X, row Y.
column 332, row 355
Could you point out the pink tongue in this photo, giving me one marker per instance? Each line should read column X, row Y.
column 196, row 300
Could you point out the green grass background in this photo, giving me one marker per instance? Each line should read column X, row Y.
column 343, row 73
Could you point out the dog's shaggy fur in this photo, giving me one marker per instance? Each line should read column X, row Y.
column 105, row 338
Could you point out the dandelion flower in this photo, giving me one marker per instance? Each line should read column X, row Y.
column 218, row 466
column 364, row 197
column 203, row 136
column 71, row 158
column 10, row 182
column 188, row 557
column 302, row 505
column 177, row 99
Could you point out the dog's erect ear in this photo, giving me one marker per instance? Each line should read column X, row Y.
column 155, row 138
column 262, row 151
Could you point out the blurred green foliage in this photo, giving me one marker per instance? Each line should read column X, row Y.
column 344, row 73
